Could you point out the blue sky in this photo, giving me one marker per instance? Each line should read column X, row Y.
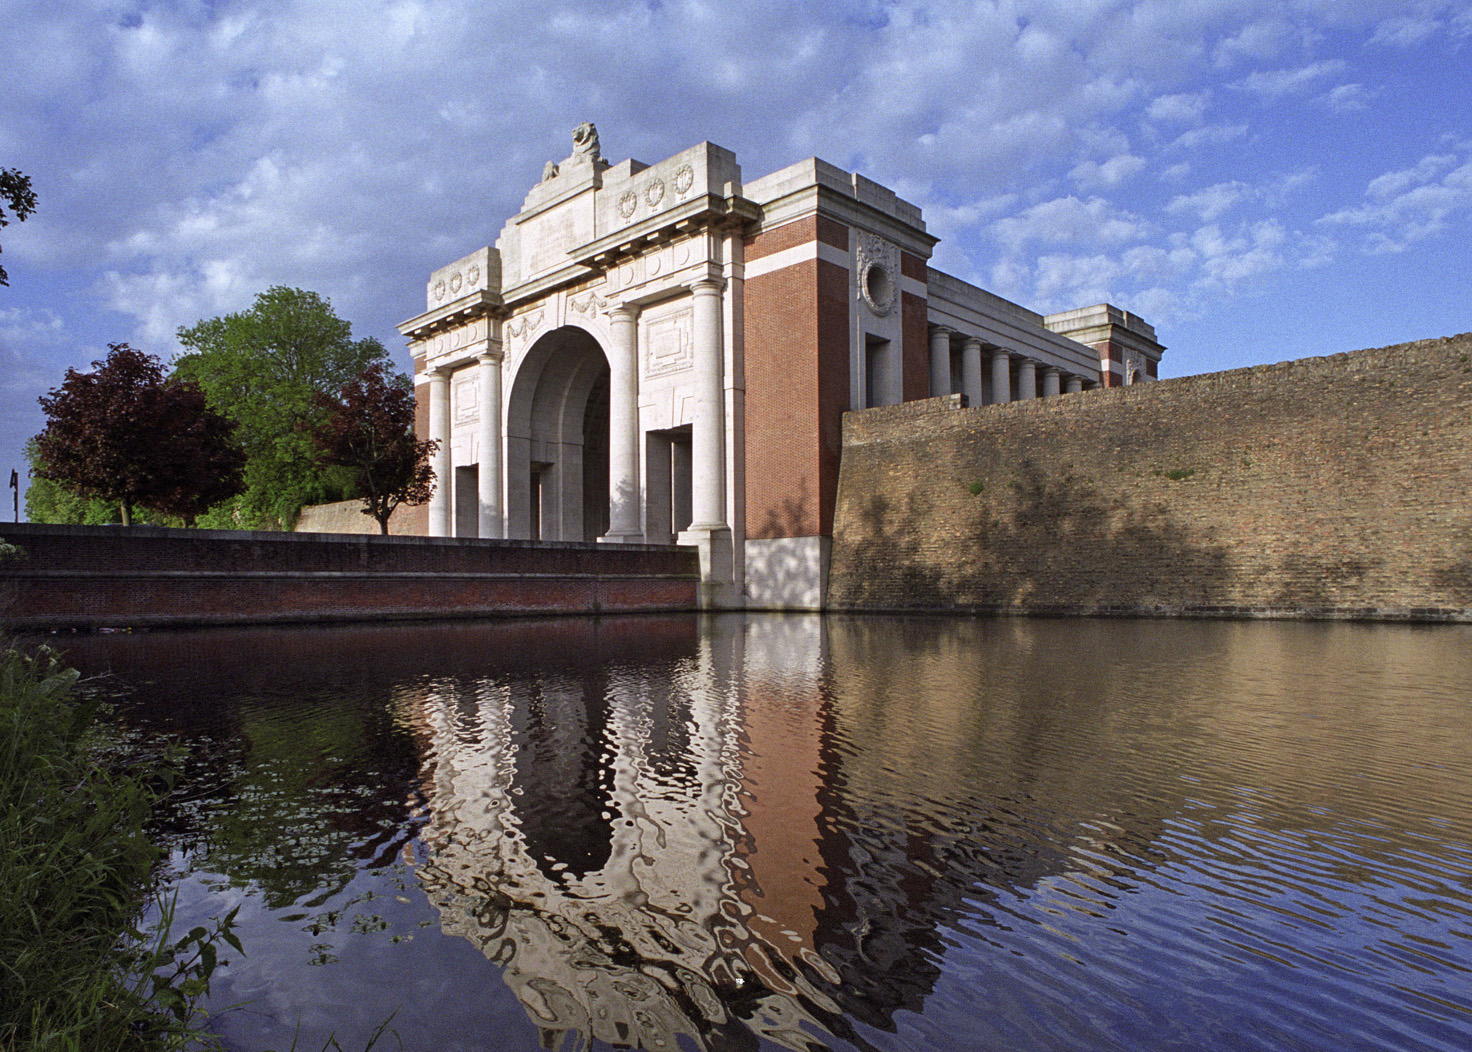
column 1261, row 179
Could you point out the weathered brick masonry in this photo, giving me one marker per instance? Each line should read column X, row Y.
column 92, row 577
column 1327, row 487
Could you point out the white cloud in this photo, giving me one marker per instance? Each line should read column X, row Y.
column 1257, row 40
column 1209, row 204
column 1178, row 109
column 1090, row 175
column 1405, row 31
column 1208, row 135
column 1069, row 220
column 1348, row 98
column 1412, row 204
column 1280, row 83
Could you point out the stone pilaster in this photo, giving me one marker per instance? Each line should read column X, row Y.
column 709, row 531
column 971, row 371
column 1001, row 376
column 489, row 470
column 940, row 361
column 439, row 431
column 1027, row 380
column 623, row 428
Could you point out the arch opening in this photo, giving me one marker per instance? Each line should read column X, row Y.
column 557, row 440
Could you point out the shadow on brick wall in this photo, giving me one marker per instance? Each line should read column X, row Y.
column 1032, row 542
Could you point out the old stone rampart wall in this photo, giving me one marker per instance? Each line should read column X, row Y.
column 1337, row 487
column 101, row 576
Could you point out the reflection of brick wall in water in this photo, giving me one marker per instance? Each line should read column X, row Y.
column 1337, row 485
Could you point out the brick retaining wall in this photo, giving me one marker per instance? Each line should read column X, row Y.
column 1336, row 487
column 100, row 576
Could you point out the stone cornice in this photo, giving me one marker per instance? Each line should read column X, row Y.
column 708, row 211
column 452, row 315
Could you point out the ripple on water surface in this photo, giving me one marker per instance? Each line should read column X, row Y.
column 802, row 832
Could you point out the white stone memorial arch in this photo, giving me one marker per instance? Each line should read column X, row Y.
column 663, row 354
column 577, row 375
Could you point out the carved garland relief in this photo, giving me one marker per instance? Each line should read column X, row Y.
column 653, row 192
column 877, row 273
column 468, row 279
column 525, row 325
column 1134, row 366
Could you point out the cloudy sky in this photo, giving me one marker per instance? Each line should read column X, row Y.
column 1261, row 179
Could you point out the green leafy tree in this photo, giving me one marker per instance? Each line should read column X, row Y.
column 369, row 430
column 123, row 434
column 15, row 191
column 264, row 368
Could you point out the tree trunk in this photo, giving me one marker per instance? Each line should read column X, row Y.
column 127, row 510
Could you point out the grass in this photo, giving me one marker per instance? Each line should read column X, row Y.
column 76, row 872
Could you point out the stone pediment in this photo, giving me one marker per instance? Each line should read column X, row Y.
column 582, row 203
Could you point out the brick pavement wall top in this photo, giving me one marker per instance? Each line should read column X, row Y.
column 1325, row 487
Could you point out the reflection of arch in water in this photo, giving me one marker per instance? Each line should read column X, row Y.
column 557, row 439
column 564, row 776
column 655, row 942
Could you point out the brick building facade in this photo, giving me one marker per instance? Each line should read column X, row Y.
column 663, row 354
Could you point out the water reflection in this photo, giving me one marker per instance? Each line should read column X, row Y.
column 802, row 832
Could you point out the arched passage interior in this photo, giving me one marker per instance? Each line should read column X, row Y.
column 557, row 440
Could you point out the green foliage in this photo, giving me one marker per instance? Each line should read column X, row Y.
column 75, row 970
column 976, row 488
column 15, row 191
column 1177, row 474
column 264, row 368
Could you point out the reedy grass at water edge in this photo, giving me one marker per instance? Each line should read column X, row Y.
column 76, row 872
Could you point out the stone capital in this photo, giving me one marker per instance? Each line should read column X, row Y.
column 707, row 286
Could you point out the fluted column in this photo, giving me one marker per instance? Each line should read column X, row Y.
column 971, row 371
column 439, row 430
column 708, row 428
column 623, row 428
column 1074, row 385
column 940, row 361
column 1001, row 376
column 1051, row 378
column 488, row 471
column 1027, row 380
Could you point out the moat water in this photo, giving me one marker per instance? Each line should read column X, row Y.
column 804, row 833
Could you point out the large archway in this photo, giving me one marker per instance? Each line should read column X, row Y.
column 557, row 440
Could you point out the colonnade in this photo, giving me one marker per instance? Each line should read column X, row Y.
column 625, row 493
column 999, row 363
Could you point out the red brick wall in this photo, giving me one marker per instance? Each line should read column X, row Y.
column 797, row 383
column 81, row 576
column 834, row 385
column 916, row 344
